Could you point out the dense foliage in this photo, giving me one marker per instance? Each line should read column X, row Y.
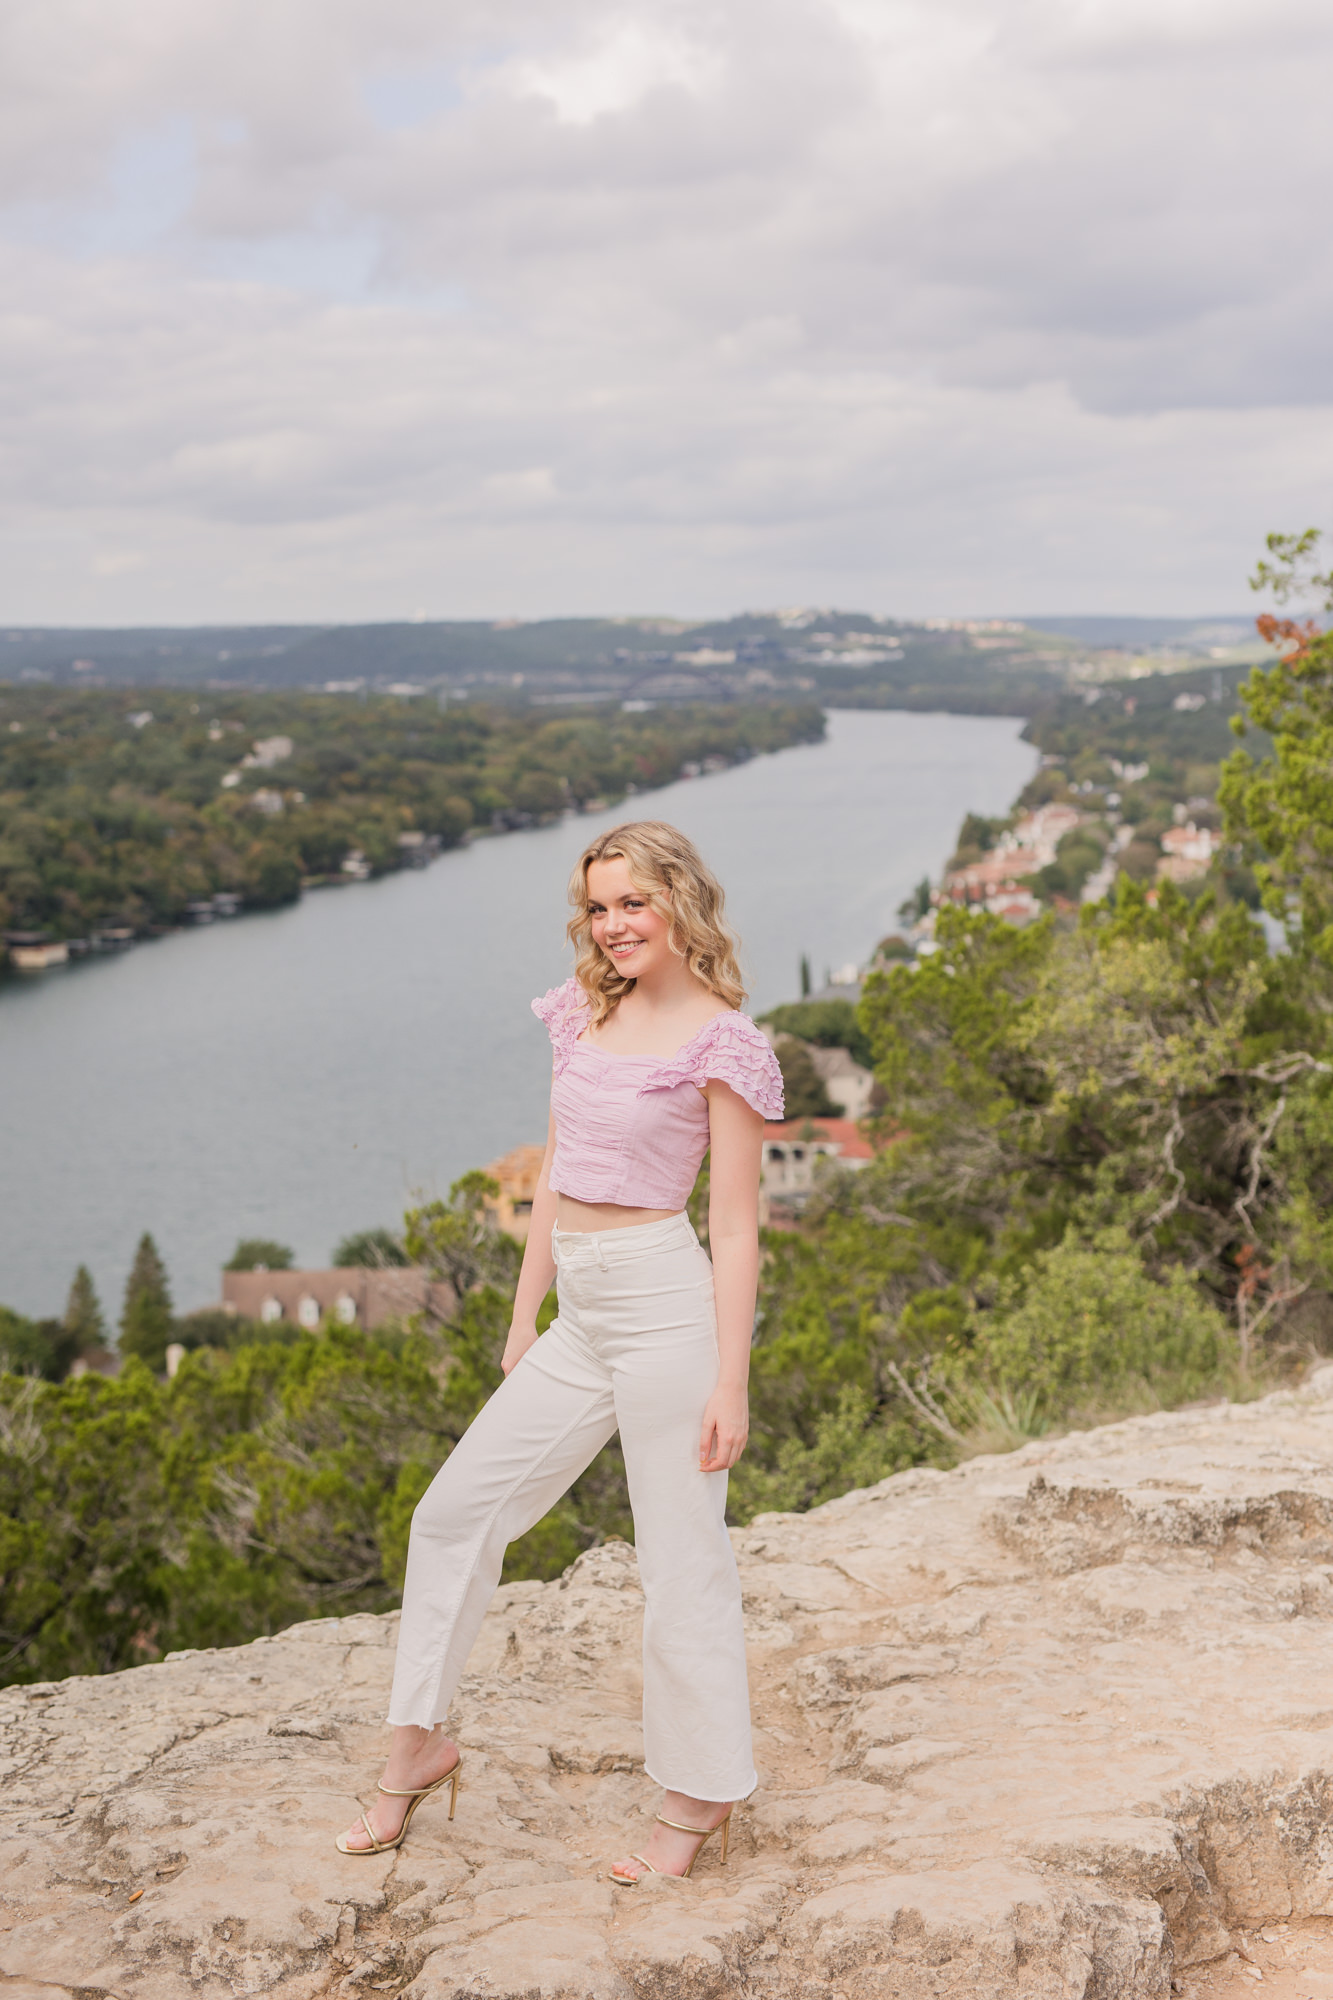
column 829, row 1024
column 266, row 1482
column 804, row 1092
column 114, row 814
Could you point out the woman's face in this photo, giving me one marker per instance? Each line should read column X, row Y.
column 632, row 935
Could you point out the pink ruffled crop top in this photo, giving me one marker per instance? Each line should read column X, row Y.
column 634, row 1129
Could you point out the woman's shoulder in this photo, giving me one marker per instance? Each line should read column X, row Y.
column 557, row 1001
column 730, row 1049
column 730, row 1029
column 564, row 1010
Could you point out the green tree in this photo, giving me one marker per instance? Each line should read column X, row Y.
column 976, row 837
column 1131, row 1070
column 853, row 1446
column 804, row 1092
column 146, row 1321
column 829, row 1024
column 371, row 1249
column 1281, row 806
column 84, row 1324
column 26, row 1347
column 458, row 1241
column 914, row 907
column 214, row 1326
column 83, row 1509
column 260, row 1253
column 1085, row 1316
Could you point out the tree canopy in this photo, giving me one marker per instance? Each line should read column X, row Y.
column 119, row 813
column 260, row 1253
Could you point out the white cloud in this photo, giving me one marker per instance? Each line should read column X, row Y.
column 918, row 304
column 613, row 73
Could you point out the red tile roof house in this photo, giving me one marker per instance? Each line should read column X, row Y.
column 355, row 1296
column 1187, row 852
column 791, row 1148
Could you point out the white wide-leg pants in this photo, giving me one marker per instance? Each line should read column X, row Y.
column 634, row 1347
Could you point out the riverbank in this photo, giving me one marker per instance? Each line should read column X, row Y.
column 299, row 1074
column 120, row 820
column 1126, row 784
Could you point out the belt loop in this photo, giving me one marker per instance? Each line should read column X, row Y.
column 601, row 1253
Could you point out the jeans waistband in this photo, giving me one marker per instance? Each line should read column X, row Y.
column 605, row 1247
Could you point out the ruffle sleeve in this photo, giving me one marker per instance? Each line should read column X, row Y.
column 565, row 1012
column 732, row 1049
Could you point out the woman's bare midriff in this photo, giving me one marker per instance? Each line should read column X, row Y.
column 583, row 1218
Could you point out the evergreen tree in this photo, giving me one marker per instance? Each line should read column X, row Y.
column 85, row 1328
column 804, row 1092
column 146, row 1322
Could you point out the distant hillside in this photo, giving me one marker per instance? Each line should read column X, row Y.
column 830, row 655
column 1141, row 635
column 851, row 658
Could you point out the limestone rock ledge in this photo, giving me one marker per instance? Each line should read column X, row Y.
column 1055, row 1725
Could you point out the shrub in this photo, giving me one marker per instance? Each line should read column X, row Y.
column 1087, row 1315
column 370, row 1249
column 260, row 1253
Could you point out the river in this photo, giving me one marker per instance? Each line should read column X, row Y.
column 297, row 1074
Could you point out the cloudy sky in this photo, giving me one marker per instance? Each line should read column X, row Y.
column 356, row 309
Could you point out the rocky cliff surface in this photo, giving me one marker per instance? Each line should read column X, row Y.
column 1057, row 1725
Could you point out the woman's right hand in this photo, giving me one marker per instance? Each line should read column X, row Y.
column 519, row 1341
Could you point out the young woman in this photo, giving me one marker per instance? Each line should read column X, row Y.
column 654, row 1066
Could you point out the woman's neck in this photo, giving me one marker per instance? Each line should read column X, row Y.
column 672, row 989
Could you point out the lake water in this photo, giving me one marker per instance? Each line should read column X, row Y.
column 298, row 1074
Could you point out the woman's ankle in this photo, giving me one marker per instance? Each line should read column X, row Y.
column 412, row 1746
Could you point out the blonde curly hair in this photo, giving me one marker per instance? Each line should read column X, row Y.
column 671, row 875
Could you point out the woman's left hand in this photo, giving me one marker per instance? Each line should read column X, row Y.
column 726, row 1427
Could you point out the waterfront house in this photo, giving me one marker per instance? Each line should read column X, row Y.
column 355, row 1296
column 97, row 1361
column 792, row 1148
column 1024, row 849
column 847, row 1081
column 417, row 849
column 1039, row 833
column 267, row 752
column 1187, row 852
column 995, row 885
column 29, row 951
column 517, row 1172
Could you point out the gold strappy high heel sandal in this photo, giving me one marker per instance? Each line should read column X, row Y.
column 705, row 1835
column 450, row 1778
